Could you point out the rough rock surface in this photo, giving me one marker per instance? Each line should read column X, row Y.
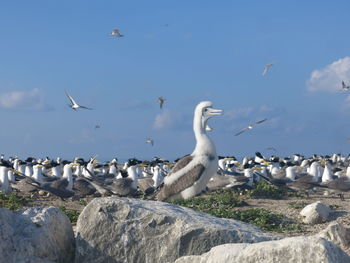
column 315, row 213
column 336, row 233
column 293, row 249
column 36, row 235
column 129, row 230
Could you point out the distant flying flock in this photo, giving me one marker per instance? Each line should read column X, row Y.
column 116, row 33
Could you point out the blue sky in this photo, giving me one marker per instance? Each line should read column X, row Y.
column 185, row 51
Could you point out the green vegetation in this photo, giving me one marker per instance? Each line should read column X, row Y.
column 223, row 204
column 82, row 202
column 72, row 214
column 265, row 220
column 265, row 190
column 12, row 201
column 220, row 200
column 298, row 204
column 334, row 207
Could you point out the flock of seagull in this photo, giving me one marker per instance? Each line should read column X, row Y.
column 162, row 180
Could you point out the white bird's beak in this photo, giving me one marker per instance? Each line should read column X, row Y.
column 215, row 112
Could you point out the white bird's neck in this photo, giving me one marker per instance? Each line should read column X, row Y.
column 113, row 170
column 4, row 186
column 132, row 172
column 203, row 143
column 56, row 171
column 37, row 175
column 290, row 173
column 28, row 170
column 67, row 173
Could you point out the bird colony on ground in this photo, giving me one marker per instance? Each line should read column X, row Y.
column 160, row 179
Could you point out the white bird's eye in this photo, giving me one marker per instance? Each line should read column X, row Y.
column 206, row 109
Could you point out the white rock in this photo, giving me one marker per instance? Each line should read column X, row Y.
column 336, row 233
column 315, row 213
column 293, row 249
column 35, row 235
column 129, row 230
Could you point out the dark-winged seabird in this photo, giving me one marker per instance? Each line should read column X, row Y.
column 161, row 101
column 115, row 33
column 344, row 87
column 75, row 105
column 149, row 141
column 249, row 127
column 191, row 174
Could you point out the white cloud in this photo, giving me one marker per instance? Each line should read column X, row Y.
column 163, row 120
column 243, row 113
column 82, row 137
column 238, row 113
column 329, row 78
column 28, row 100
column 169, row 119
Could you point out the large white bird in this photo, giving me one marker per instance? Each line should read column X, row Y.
column 191, row 174
column 75, row 105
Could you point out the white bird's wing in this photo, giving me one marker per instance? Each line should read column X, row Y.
column 183, row 182
column 71, row 99
column 265, row 70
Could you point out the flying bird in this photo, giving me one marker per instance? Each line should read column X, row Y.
column 150, row 141
column 161, row 101
column 271, row 149
column 267, row 68
column 344, row 86
column 249, row 127
column 115, row 33
column 97, row 126
column 75, row 105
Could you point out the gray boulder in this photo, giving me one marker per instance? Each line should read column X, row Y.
column 114, row 229
column 36, row 235
column 315, row 213
column 336, row 233
column 293, row 249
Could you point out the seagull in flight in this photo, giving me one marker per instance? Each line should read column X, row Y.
column 267, row 68
column 115, row 33
column 161, row 101
column 249, row 127
column 344, row 86
column 75, row 105
column 150, row 141
column 97, row 126
column 271, row 149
